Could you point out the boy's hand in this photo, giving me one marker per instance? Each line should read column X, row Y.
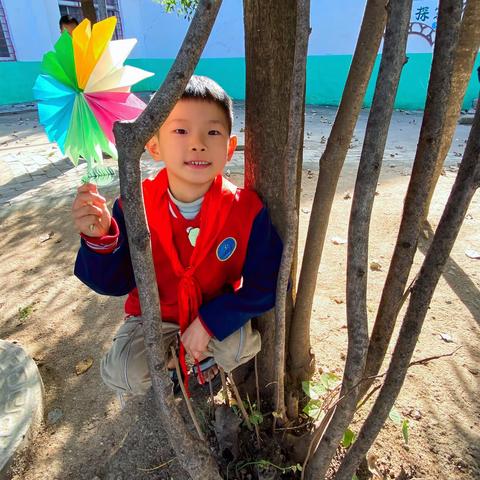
column 195, row 339
column 90, row 213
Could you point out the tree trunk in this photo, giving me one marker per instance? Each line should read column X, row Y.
column 331, row 163
column 433, row 127
column 393, row 59
column 270, row 28
column 131, row 139
column 294, row 142
column 467, row 49
column 88, row 10
column 466, row 183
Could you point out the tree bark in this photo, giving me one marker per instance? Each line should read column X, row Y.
column 393, row 59
column 130, row 139
column 433, row 128
column 294, row 143
column 269, row 52
column 88, row 10
column 300, row 357
column 468, row 45
column 466, row 183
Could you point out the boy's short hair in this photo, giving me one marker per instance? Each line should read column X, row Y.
column 67, row 20
column 204, row 88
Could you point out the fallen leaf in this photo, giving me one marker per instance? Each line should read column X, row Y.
column 375, row 267
column 446, row 337
column 45, row 237
column 475, row 254
column 372, row 466
column 338, row 300
column 338, row 240
column 83, row 366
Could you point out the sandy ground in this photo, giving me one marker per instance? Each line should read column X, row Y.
column 60, row 322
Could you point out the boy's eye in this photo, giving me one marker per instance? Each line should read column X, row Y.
column 180, row 131
column 214, row 132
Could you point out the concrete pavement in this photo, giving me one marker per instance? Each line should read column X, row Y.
column 33, row 171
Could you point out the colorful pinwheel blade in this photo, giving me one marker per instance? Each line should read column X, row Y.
column 60, row 63
column 110, row 107
column 55, row 106
column 89, row 44
column 112, row 59
column 85, row 138
column 122, row 77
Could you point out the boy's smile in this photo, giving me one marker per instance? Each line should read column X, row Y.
column 195, row 144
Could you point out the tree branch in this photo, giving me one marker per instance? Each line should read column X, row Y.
column 331, row 163
column 466, row 183
column 294, row 141
column 131, row 139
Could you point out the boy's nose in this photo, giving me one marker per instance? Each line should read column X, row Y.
column 198, row 149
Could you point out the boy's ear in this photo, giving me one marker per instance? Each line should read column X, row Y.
column 232, row 145
column 153, row 147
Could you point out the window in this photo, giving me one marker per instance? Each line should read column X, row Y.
column 6, row 47
column 74, row 9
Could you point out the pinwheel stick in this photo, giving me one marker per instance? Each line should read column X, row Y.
column 130, row 140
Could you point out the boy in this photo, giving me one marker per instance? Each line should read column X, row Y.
column 215, row 251
column 67, row 23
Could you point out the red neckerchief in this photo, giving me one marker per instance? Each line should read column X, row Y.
column 213, row 215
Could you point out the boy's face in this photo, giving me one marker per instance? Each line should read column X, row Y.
column 194, row 142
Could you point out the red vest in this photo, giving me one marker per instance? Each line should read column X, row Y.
column 227, row 215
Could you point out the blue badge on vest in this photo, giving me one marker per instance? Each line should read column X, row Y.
column 226, row 248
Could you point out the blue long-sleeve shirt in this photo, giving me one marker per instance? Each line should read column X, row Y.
column 111, row 273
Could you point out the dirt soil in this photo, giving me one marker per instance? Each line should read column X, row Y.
column 60, row 322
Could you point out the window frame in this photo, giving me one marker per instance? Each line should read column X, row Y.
column 112, row 10
column 6, row 35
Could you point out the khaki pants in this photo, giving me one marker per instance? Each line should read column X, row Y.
column 124, row 368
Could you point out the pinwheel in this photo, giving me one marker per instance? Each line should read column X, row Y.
column 84, row 88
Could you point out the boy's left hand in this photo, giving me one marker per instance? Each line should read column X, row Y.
column 195, row 340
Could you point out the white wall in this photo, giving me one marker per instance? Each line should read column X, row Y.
column 160, row 34
column 335, row 25
column 33, row 26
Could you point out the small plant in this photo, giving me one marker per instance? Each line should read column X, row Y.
column 25, row 312
column 255, row 415
column 397, row 419
column 348, row 438
column 317, row 391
